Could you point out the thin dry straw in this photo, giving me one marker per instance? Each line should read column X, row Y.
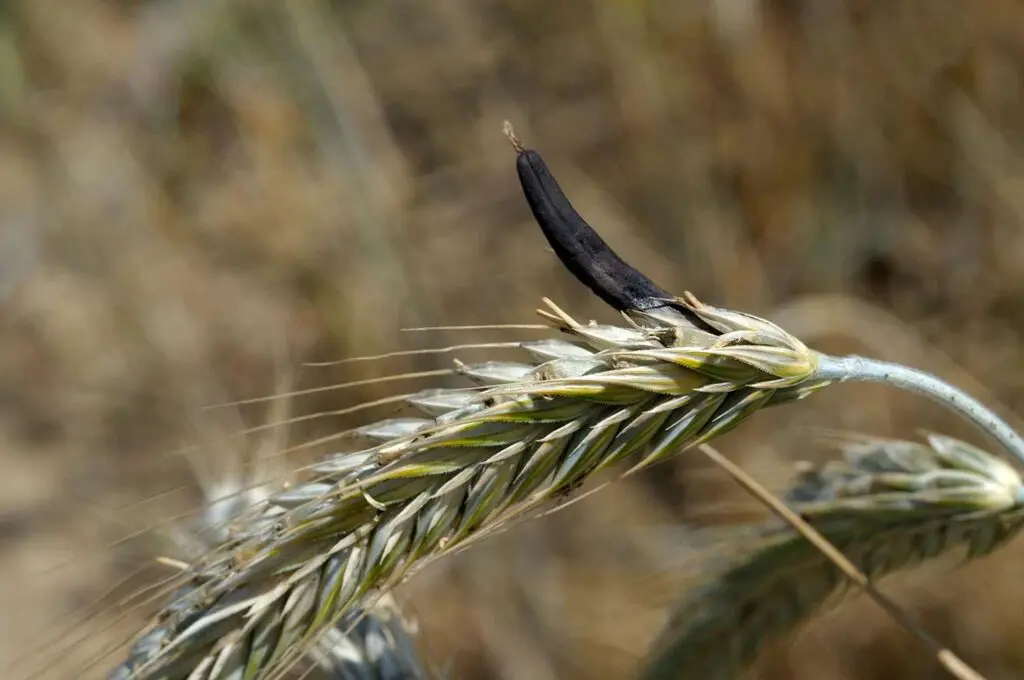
column 890, row 505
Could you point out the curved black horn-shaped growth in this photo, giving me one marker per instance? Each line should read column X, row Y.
column 578, row 246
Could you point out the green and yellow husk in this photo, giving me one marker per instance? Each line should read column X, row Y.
column 603, row 397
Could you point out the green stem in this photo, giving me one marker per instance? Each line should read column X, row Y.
column 861, row 369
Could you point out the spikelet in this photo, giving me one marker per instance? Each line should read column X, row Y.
column 376, row 643
column 602, row 396
column 888, row 506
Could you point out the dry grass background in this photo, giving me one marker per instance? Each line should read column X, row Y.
column 198, row 196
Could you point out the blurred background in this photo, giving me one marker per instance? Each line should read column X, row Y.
column 198, row 196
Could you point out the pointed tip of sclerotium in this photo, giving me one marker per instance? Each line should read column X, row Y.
column 511, row 134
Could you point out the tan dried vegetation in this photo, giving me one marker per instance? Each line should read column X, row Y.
column 198, row 194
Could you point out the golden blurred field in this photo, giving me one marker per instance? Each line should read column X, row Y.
column 197, row 197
